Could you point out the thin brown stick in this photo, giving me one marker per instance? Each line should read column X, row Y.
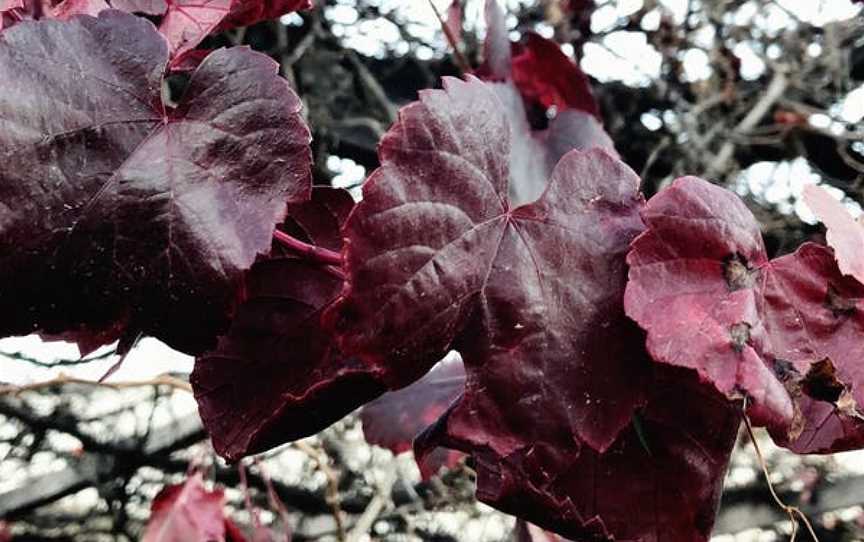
column 64, row 380
column 461, row 61
column 794, row 512
column 332, row 485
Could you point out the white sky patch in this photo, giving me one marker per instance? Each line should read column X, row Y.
column 149, row 358
column 697, row 65
column 624, row 56
column 782, row 184
column 349, row 174
column 752, row 66
column 852, row 108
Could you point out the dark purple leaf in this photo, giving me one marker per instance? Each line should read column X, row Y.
column 532, row 297
column 436, row 258
column 277, row 376
column 663, row 485
column 121, row 209
column 784, row 334
column 394, row 419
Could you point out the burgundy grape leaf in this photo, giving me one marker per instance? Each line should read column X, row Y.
column 545, row 75
column 845, row 234
column 184, row 23
column 277, row 375
column 660, row 481
column 187, row 22
column 781, row 333
column 121, row 209
column 394, row 419
column 245, row 13
column 436, row 258
column 187, row 512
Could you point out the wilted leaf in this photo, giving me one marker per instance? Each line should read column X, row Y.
column 116, row 208
column 703, row 288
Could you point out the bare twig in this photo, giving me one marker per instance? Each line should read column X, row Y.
column 65, row 380
column 793, row 512
column 20, row 356
column 333, row 500
column 461, row 61
column 378, row 503
column 773, row 93
column 372, row 87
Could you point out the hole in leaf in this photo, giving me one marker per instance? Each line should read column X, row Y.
column 740, row 335
column 821, row 382
column 738, row 273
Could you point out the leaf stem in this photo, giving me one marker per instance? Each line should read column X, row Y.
column 311, row 252
column 794, row 512
column 461, row 61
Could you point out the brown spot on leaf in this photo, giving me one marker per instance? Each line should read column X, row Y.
column 839, row 305
column 847, row 405
column 738, row 273
column 740, row 335
column 821, row 382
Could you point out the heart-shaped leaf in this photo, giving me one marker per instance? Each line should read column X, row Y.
column 118, row 208
column 436, row 257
